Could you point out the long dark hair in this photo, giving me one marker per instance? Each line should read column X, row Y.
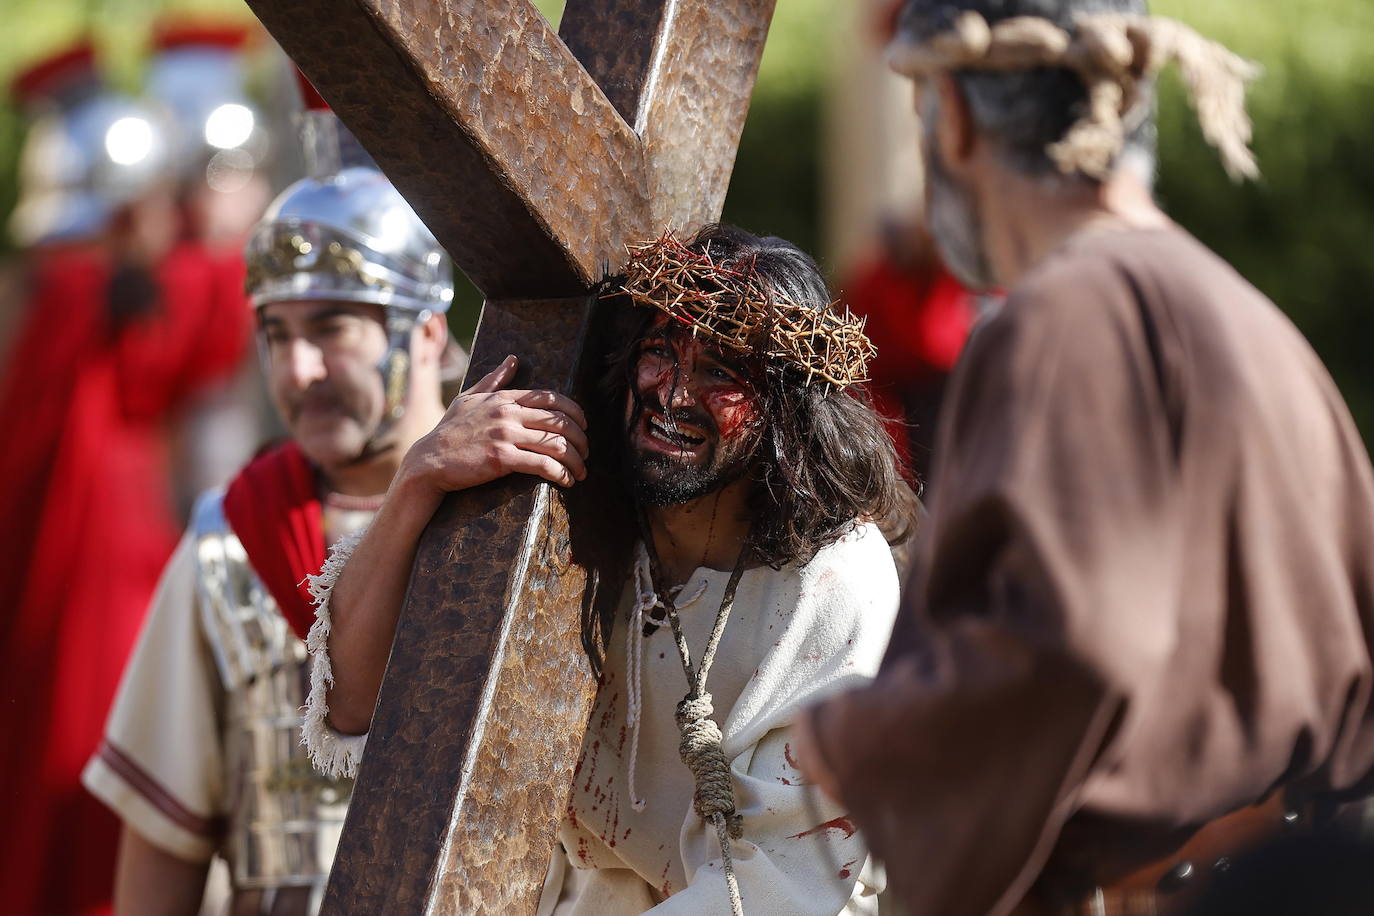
column 823, row 462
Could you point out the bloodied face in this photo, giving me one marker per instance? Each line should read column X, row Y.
column 693, row 417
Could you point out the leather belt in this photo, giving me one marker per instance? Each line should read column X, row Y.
column 1167, row 886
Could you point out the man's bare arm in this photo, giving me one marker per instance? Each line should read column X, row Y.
column 487, row 433
column 152, row 882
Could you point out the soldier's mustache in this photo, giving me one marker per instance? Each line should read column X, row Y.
column 317, row 398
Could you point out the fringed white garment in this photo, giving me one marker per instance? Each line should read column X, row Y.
column 332, row 753
column 795, row 635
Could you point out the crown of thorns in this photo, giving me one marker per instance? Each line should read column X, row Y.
column 733, row 306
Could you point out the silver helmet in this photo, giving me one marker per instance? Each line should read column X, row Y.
column 345, row 234
column 86, row 153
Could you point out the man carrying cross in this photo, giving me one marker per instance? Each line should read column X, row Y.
column 1146, row 595
column 755, row 473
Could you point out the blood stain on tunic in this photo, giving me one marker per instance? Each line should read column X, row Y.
column 613, row 818
column 843, row 824
column 591, row 771
column 609, row 711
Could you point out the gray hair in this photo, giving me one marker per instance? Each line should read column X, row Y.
column 1024, row 112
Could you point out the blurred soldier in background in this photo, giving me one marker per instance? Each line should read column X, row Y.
column 118, row 329
column 202, row 752
column 219, row 140
column 222, row 151
column 919, row 316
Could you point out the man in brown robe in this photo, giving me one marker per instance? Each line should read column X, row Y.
column 1145, row 595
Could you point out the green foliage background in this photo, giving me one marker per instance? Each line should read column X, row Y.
column 1303, row 234
column 776, row 186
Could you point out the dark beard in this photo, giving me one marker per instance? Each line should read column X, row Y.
column 660, row 481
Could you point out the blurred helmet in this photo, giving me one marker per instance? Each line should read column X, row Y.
column 88, row 150
column 196, row 74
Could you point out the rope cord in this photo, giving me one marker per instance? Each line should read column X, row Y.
column 634, row 664
column 700, row 748
column 646, row 599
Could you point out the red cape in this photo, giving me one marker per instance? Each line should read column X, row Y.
column 274, row 508
column 87, row 528
column 918, row 318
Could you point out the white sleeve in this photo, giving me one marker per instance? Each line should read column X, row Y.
column 333, row 753
column 160, row 764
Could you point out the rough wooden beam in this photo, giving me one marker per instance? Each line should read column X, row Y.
column 623, row 68
column 487, row 690
column 487, row 124
column 697, row 104
column 533, row 178
column 682, row 73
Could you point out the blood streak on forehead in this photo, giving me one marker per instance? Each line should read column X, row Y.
column 688, row 348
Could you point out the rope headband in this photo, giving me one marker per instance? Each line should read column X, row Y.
column 1115, row 55
column 734, row 307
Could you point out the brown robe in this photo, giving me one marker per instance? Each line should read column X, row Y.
column 1146, row 592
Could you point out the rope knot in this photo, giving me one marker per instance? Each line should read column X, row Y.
column 714, row 795
column 701, row 752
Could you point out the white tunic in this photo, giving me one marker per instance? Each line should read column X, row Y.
column 796, row 635
column 166, row 765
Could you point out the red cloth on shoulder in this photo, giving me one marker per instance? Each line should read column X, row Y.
column 273, row 507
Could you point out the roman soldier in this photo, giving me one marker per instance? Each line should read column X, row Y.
column 201, row 755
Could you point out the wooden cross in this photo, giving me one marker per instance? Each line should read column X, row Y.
column 534, row 157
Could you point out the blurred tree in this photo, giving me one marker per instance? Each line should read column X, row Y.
column 1303, row 234
column 776, row 186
